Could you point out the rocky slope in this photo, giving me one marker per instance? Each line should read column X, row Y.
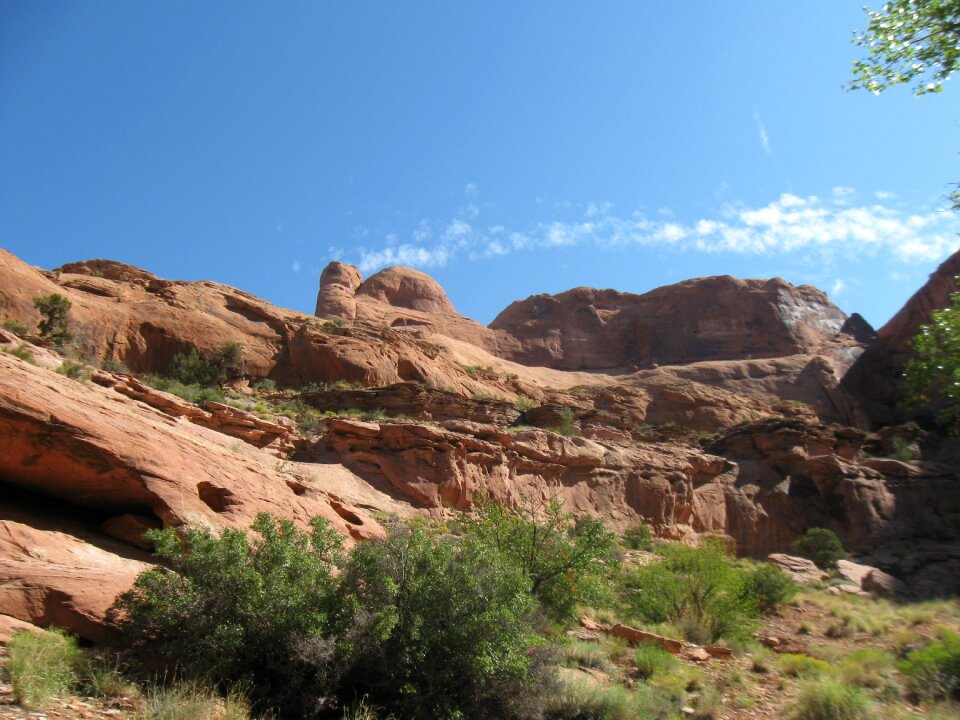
column 734, row 420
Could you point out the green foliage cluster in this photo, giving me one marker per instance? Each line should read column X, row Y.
column 933, row 373
column 55, row 322
column 191, row 393
column 768, row 587
column 567, row 424
column 234, row 610
column 822, row 546
column 74, row 370
column 427, row 624
column 830, row 699
column 16, row 327
column 702, row 591
column 557, row 551
column 20, row 351
column 909, row 41
column 191, row 368
column 42, row 666
column 934, row 670
column 638, row 537
column 444, row 627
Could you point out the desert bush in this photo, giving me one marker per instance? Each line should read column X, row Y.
column 698, row 589
column 796, row 665
column 567, row 424
column 115, row 366
column 560, row 554
column 580, row 701
column 768, row 587
column 822, row 546
column 191, row 393
column 653, row 660
column 638, row 537
column 190, row 701
column 74, row 370
column 16, row 327
column 829, row 699
column 525, row 403
column 934, row 670
column 55, row 322
column 191, row 368
column 42, row 666
column 231, row 609
column 21, row 351
column 435, row 628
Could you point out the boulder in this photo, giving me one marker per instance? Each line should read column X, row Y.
column 800, row 569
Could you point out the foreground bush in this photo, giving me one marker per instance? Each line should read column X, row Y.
column 830, row 700
column 699, row 589
column 434, row 628
column 559, row 553
column 934, row 670
column 42, row 666
column 193, row 702
column 822, row 546
column 231, row 610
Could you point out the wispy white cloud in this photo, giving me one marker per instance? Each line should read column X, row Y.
column 837, row 287
column 762, row 131
column 816, row 229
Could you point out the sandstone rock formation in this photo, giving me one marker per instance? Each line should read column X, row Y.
column 717, row 318
column 713, row 406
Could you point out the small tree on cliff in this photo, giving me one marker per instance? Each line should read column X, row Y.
column 933, row 374
column 55, row 325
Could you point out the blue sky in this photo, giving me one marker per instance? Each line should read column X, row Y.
column 506, row 148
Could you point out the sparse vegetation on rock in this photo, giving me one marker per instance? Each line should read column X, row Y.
column 55, row 322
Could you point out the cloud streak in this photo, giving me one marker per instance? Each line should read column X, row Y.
column 790, row 224
column 762, row 131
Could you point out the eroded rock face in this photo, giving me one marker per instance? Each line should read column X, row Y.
column 717, row 318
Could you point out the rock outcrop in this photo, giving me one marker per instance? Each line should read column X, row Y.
column 717, row 318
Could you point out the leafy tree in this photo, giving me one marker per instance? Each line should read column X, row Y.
column 55, row 325
column 822, row 546
column 231, row 609
column 435, row 628
column 933, row 373
column 909, row 41
column 700, row 589
column 557, row 551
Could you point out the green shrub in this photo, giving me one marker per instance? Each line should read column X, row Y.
column 638, row 537
column 435, row 628
column 192, row 369
column 232, row 609
column 828, row 699
column 16, row 327
column 267, row 385
column 559, row 553
column 653, row 660
column 191, row 393
column 769, row 587
column 796, row 665
column 934, row 670
column 74, row 371
column 567, row 424
column 55, row 311
column 902, row 450
column 698, row 589
column 193, row 702
column 21, row 351
column 525, row 403
column 472, row 370
column 822, row 546
column 42, row 666
column 115, row 366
